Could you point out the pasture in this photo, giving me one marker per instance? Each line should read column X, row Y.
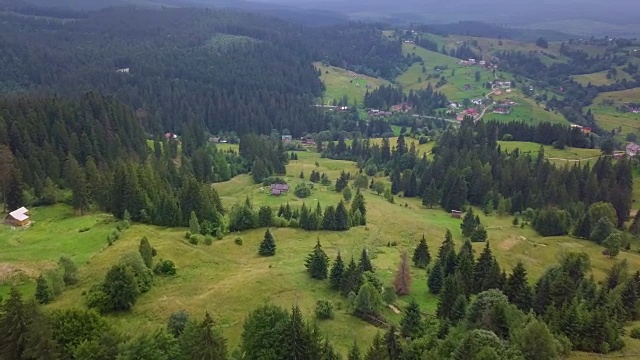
column 229, row 280
column 341, row 82
column 607, row 115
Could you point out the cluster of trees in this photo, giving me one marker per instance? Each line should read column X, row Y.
column 52, row 283
column 29, row 332
column 469, row 167
column 244, row 216
column 471, row 227
column 266, row 155
column 464, row 52
column 423, row 102
column 544, row 133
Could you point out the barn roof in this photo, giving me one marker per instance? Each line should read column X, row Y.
column 19, row 214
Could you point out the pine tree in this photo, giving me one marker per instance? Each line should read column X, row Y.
column 194, row 224
column 517, row 288
column 14, row 192
column 635, row 225
column 146, row 251
column 297, row 345
column 436, row 278
column 603, row 228
column 431, row 195
column 77, row 179
column 14, row 325
column 351, row 279
column 394, row 348
column 40, row 343
column 459, row 309
column 378, row 349
column 465, row 264
column 202, row 341
column 411, row 325
column 479, row 235
column 329, row 219
column 43, row 294
column 583, row 228
column 483, row 269
column 317, row 263
column 364, row 263
column 468, row 224
column 268, row 245
column 358, row 204
column 451, row 290
column 354, row 352
column 421, row 256
column 337, row 271
column 341, row 217
column 402, row 281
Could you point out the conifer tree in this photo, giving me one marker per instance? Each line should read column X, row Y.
column 411, row 325
column 421, row 256
column 465, row 264
column 40, row 343
column 77, row 180
column 468, row 224
column 359, row 204
column 351, row 279
column 14, row 325
column 268, row 245
column 364, row 263
column 202, row 341
column 436, row 278
column 70, row 275
column 635, row 225
column 341, row 217
column 354, row 352
column 317, row 263
column 459, row 308
column 583, row 228
column 329, row 219
column 479, row 234
column 146, row 252
column 194, row 224
column 431, row 195
column 517, row 288
column 378, row 349
column 337, row 272
column 14, row 191
column 483, row 269
column 394, row 349
column 297, row 345
column 603, row 228
column 43, row 294
column 402, row 281
column 630, row 299
column 451, row 290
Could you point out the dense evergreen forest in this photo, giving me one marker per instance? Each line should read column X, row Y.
column 469, row 167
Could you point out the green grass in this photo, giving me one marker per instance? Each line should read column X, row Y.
column 609, row 118
column 414, row 78
column 600, row 78
column 340, row 82
column 229, row 280
column 559, row 157
column 526, row 110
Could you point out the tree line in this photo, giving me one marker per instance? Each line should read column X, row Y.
column 423, row 102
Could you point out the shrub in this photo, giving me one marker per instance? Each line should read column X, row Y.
column 115, row 234
column 389, row 295
column 84, row 229
column 177, row 322
column 302, row 191
column 165, row 267
column 324, row 310
column 238, row 240
column 193, row 239
column 635, row 333
column 187, row 235
column 208, row 240
column 423, row 140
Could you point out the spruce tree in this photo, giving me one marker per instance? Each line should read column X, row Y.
column 337, row 272
column 450, row 291
column 43, row 294
column 341, row 217
column 411, row 325
column 329, row 219
column 468, row 224
column 402, row 281
column 421, row 256
column 459, row 309
column 202, row 341
column 14, row 326
column 465, row 265
column 354, row 352
column 436, row 278
column 364, row 263
column 394, row 349
column 268, row 245
column 517, row 288
column 483, row 269
column 40, row 342
column 378, row 349
column 77, row 179
column 351, row 279
column 479, row 234
column 431, row 195
column 194, row 224
column 358, row 204
column 635, row 225
column 146, row 251
column 297, row 343
column 603, row 228
column 317, row 263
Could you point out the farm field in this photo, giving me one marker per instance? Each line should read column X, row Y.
column 609, row 118
column 526, row 110
column 415, row 79
column 600, row 78
column 341, row 82
column 229, row 280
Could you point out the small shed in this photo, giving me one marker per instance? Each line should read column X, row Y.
column 18, row 217
column 279, row 189
column 456, row 214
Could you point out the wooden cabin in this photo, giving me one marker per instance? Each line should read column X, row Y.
column 18, row 217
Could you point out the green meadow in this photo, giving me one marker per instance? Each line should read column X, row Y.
column 340, row 82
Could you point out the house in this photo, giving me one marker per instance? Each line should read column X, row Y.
column 502, row 110
column 633, row 149
column 170, row 136
column 278, row 189
column 503, row 84
column 482, row 62
column 287, row 138
column 497, row 92
column 456, row 214
column 214, row 139
column 477, row 101
column 403, row 107
column 308, row 141
column 123, row 71
column 18, row 217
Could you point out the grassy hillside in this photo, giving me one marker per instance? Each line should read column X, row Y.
column 229, row 279
column 526, row 110
column 340, row 82
column 560, row 157
column 457, row 76
column 600, row 78
column 609, row 118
